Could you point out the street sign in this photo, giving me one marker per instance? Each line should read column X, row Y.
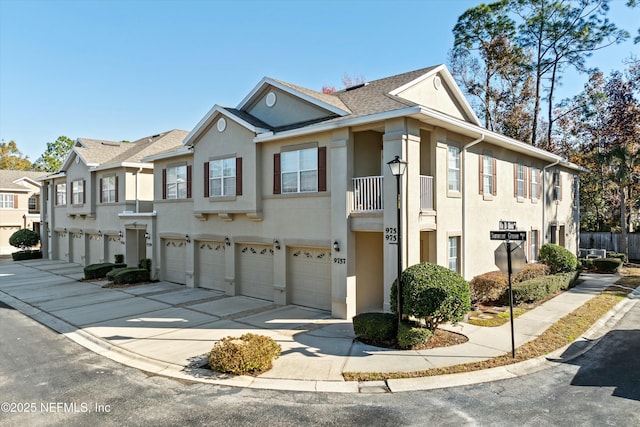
column 508, row 235
column 507, row 225
column 518, row 259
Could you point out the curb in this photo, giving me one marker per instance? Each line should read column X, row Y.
column 157, row 367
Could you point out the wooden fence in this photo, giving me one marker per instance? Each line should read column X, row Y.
column 610, row 242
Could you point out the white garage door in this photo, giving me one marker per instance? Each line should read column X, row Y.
column 309, row 277
column 95, row 249
column 5, row 235
column 113, row 247
column 61, row 246
column 77, row 248
column 210, row 265
column 255, row 271
column 174, row 260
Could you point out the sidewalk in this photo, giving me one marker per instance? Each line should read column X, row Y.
column 168, row 329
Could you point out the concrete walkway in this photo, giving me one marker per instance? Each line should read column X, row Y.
column 168, row 329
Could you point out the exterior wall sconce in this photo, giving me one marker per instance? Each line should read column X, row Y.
column 187, row 238
column 81, row 232
column 99, row 234
column 227, row 241
column 147, row 236
column 120, row 234
column 65, row 229
column 276, row 243
column 336, row 246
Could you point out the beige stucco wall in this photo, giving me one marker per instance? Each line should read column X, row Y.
column 287, row 110
column 439, row 99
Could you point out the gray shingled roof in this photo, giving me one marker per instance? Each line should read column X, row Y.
column 96, row 151
column 324, row 97
column 7, row 178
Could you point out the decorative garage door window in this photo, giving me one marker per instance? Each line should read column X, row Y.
column 256, row 251
column 318, row 254
column 213, row 246
column 174, row 244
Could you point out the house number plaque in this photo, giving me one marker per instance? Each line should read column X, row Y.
column 391, row 235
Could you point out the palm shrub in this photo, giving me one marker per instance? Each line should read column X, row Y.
column 559, row 259
column 433, row 294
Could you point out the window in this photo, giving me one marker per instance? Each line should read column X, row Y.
column 520, row 180
column 300, row 171
column 61, row 194
column 487, row 178
column 222, row 177
column 7, row 201
column 77, row 192
column 535, row 183
column 33, row 203
column 176, row 182
column 533, row 245
column 557, row 186
column 454, row 259
column 109, row 189
column 454, row 168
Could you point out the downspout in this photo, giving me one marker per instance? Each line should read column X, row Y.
column 137, row 199
column 544, row 201
column 464, row 200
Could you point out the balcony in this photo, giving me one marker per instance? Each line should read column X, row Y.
column 368, row 194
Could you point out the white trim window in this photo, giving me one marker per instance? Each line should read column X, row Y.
column 61, row 194
column 177, row 182
column 520, row 180
column 454, row 168
column 535, row 184
column 109, row 189
column 222, row 177
column 33, row 203
column 77, row 192
column 488, row 174
column 454, row 253
column 6, row 201
column 533, row 245
column 299, row 171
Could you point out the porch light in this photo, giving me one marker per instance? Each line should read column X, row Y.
column 336, row 246
column 276, row 243
column 99, row 234
column 187, row 238
column 147, row 236
column 398, row 168
column 120, row 234
column 227, row 241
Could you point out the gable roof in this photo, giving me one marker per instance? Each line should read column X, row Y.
column 13, row 180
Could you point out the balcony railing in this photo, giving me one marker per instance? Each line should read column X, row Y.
column 367, row 194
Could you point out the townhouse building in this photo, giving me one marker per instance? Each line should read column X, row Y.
column 19, row 205
column 288, row 197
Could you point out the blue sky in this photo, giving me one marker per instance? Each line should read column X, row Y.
column 125, row 69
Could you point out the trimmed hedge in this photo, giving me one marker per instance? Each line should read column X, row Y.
column 488, row 286
column 607, row 265
column 531, row 271
column 251, row 353
column 410, row 335
column 24, row 238
column 433, row 294
column 539, row 288
column 130, row 275
column 145, row 263
column 559, row 259
column 25, row 255
column 97, row 271
column 617, row 255
column 116, row 269
column 375, row 328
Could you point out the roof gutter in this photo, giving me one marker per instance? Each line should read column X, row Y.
column 464, row 198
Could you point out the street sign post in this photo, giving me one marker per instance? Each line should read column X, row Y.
column 515, row 261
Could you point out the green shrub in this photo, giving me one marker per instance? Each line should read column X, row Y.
column 145, row 263
column 25, row 255
column 617, row 255
column 540, row 287
column 433, row 294
column 117, row 268
column 250, row 353
column 531, row 271
column 488, row 286
column 24, row 239
column 97, row 271
column 585, row 263
column 559, row 259
column 375, row 328
column 607, row 265
column 119, row 258
column 131, row 275
column 410, row 335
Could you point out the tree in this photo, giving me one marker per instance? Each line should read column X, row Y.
column 347, row 82
column 51, row 160
column 11, row 158
column 561, row 33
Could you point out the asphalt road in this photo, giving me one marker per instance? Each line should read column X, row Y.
column 46, row 379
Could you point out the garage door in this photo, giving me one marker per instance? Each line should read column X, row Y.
column 95, row 249
column 255, row 271
column 210, row 265
column 113, row 247
column 5, row 235
column 61, row 246
column 174, row 260
column 77, row 249
column 309, row 277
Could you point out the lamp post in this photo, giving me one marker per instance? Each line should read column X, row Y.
column 398, row 167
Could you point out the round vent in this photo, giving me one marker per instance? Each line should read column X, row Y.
column 270, row 100
column 437, row 82
column 222, row 124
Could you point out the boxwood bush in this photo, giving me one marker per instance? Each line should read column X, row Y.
column 540, row 287
column 607, row 265
column 130, row 275
column 145, row 263
column 618, row 255
column 251, row 353
column 531, row 271
column 116, row 269
column 28, row 254
column 410, row 335
column 488, row 286
column 375, row 328
column 97, row 271
column 559, row 259
column 433, row 294
column 24, row 238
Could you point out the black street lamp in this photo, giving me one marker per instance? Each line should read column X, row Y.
column 398, row 167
